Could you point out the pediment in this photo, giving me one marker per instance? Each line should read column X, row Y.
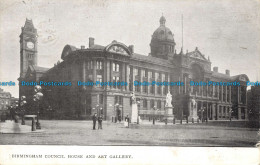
column 197, row 54
column 119, row 48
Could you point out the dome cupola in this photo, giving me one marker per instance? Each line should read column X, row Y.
column 162, row 42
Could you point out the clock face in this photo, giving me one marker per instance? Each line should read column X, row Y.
column 30, row 45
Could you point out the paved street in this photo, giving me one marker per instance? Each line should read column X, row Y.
column 73, row 132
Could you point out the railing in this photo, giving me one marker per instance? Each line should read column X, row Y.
column 151, row 112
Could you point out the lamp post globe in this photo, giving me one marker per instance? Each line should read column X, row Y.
column 37, row 97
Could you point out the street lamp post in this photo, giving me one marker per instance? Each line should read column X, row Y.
column 230, row 114
column 37, row 98
column 138, row 103
column 116, row 106
column 23, row 102
column 154, row 108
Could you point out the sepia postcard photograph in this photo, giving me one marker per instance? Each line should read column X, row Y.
column 129, row 82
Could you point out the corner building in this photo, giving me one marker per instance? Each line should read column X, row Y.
column 117, row 62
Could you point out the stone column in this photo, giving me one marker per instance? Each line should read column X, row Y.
column 84, row 71
column 221, row 96
column 213, row 93
column 239, row 113
column 202, row 90
column 107, row 73
column 179, row 87
column 246, row 114
column 207, row 93
column 141, row 80
column 94, row 71
column 111, row 73
column 246, row 95
column 217, row 110
column 149, row 86
column 238, row 94
column 221, row 111
column 230, row 94
column 123, row 75
column 127, row 77
column 213, row 111
column 210, row 111
column 148, row 104
column 132, row 79
column 226, row 94
column 185, row 84
column 207, row 110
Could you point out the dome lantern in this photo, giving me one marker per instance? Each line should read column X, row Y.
column 162, row 21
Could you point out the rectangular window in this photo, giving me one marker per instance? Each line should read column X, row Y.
column 146, row 73
column 90, row 77
column 99, row 78
column 159, row 104
column 150, row 74
column 152, row 89
column 101, row 99
column 114, row 67
column 99, row 65
column 118, row 81
column 145, row 89
column 152, row 104
column 159, row 90
column 136, row 87
column 117, row 67
column 135, row 72
column 91, row 64
column 163, row 77
column 114, row 81
column 144, row 103
column 156, row 76
column 119, row 100
column 164, row 90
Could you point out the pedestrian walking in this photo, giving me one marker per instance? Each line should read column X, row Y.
column 100, row 119
column 94, row 118
column 119, row 118
column 126, row 123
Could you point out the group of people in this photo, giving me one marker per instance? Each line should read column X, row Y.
column 96, row 118
column 99, row 119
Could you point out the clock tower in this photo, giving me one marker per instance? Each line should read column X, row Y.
column 28, row 47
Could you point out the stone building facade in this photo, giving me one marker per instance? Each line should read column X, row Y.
column 5, row 100
column 117, row 62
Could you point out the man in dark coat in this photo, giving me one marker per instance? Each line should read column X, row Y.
column 94, row 118
column 100, row 119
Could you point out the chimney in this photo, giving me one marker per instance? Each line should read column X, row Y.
column 215, row 69
column 131, row 48
column 227, row 72
column 91, row 42
column 82, row 47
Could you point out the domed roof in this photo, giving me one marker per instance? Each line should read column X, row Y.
column 162, row 32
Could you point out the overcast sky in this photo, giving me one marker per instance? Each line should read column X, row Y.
column 226, row 30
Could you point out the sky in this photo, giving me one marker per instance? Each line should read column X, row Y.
column 228, row 31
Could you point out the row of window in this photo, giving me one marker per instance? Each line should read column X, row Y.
column 99, row 65
column 152, row 104
column 30, row 56
column 160, row 89
column 151, row 74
